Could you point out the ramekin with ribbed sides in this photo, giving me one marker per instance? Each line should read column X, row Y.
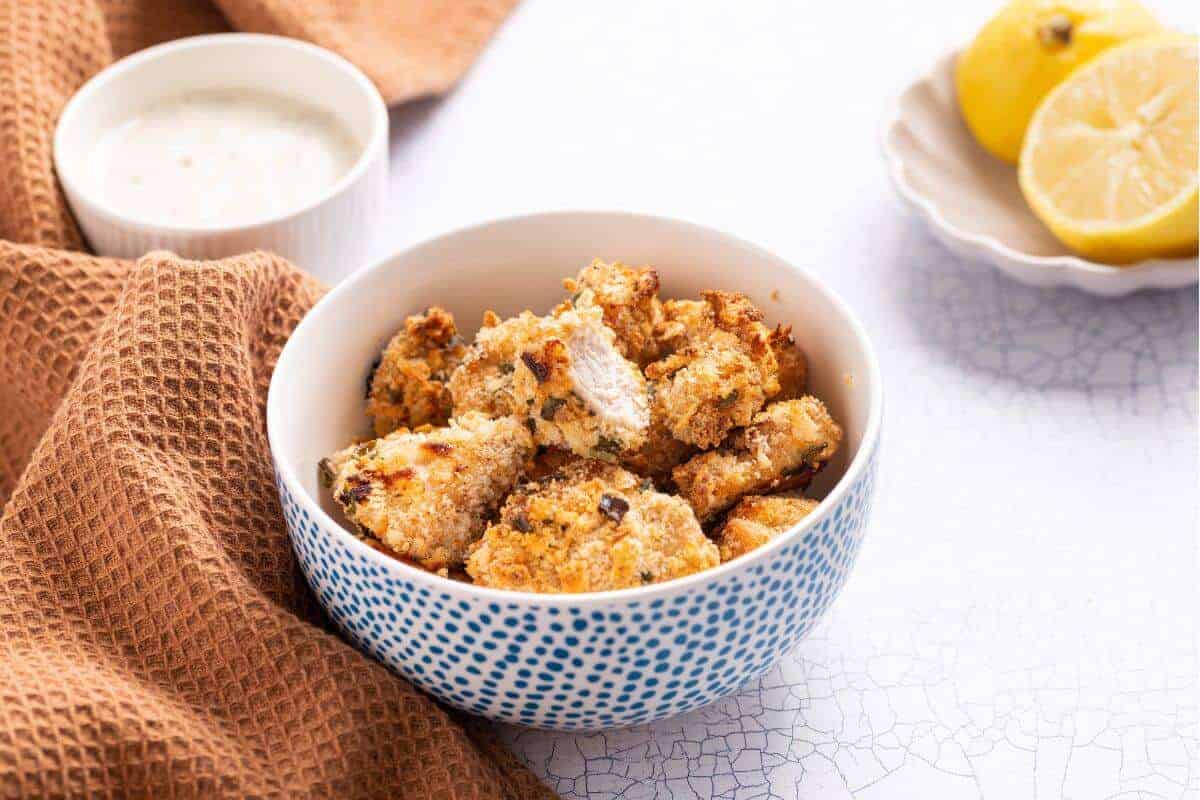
column 569, row 661
column 215, row 145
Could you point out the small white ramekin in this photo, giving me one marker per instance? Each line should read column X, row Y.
column 330, row 237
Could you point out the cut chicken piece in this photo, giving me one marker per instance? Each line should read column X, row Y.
column 591, row 527
column 408, row 388
column 756, row 520
column 628, row 297
column 579, row 392
column 786, row 440
column 427, row 495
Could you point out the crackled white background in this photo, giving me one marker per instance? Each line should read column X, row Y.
column 1020, row 622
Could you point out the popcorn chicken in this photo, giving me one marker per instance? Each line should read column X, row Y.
column 427, row 495
column 483, row 382
column 562, row 374
column 720, row 368
column 696, row 322
column 578, row 392
column 597, row 405
column 628, row 298
column 591, row 527
column 683, row 321
column 408, row 386
column 789, row 439
column 756, row 520
column 701, row 396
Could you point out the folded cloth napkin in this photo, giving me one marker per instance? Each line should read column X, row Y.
column 156, row 637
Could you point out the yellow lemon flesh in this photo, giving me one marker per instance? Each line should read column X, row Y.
column 1110, row 159
column 1025, row 51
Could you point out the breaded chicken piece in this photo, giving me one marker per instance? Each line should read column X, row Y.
column 591, row 527
column 428, row 495
column 701, row 394
column 628, row 297
column 793, row 365
column 563, row 374
column 693, row 322
column 720, row 370
column 483, row 381
column 683, row 321
column 407, row 388
column 578, row 392
column 785, row 440
column 686, row 321
column 756, row 520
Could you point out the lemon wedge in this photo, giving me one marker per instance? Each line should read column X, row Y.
column 1109, row 162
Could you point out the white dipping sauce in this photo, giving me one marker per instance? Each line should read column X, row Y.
column 219, row 158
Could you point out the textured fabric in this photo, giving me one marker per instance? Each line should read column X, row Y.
column 156, row 637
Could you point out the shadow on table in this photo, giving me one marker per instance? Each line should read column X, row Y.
column 406, row 120
column 982, row 322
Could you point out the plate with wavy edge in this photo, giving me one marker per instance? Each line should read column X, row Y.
column 974, row 206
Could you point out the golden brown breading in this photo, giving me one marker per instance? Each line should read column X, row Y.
column 785, row 438
column 628, row 296
column 683, row 321
column 408, row 387
column 701, row 394
column 592, row 527
column 695, row 322
column 720, row 369
column 428, row 495
column 576, row 389
column 756, row 520
column 483, row 382
column 793, row 365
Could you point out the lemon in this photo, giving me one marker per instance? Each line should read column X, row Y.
column 1025, row 51
column 1110, row 159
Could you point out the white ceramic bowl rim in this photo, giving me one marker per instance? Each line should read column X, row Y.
column 1061, row 263
column 143, row 58
column 853, row 470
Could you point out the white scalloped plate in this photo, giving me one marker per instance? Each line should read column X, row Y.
column 974, row 206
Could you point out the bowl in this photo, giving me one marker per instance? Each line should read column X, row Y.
column 578, row 661
column 328, row 237
column 973, row 205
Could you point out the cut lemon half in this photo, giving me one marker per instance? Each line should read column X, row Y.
column 1109, row 162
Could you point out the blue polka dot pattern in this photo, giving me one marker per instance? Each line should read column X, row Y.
column 594, row 664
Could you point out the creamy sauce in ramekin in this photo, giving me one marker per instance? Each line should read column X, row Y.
column 220, row 158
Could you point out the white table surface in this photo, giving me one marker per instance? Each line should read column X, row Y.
column 1020, row 623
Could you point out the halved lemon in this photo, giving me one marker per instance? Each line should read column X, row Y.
column 1109, row 162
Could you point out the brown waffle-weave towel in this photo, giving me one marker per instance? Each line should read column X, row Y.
column 156, row 638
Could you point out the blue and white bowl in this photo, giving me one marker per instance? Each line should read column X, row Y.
column 584, row 661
